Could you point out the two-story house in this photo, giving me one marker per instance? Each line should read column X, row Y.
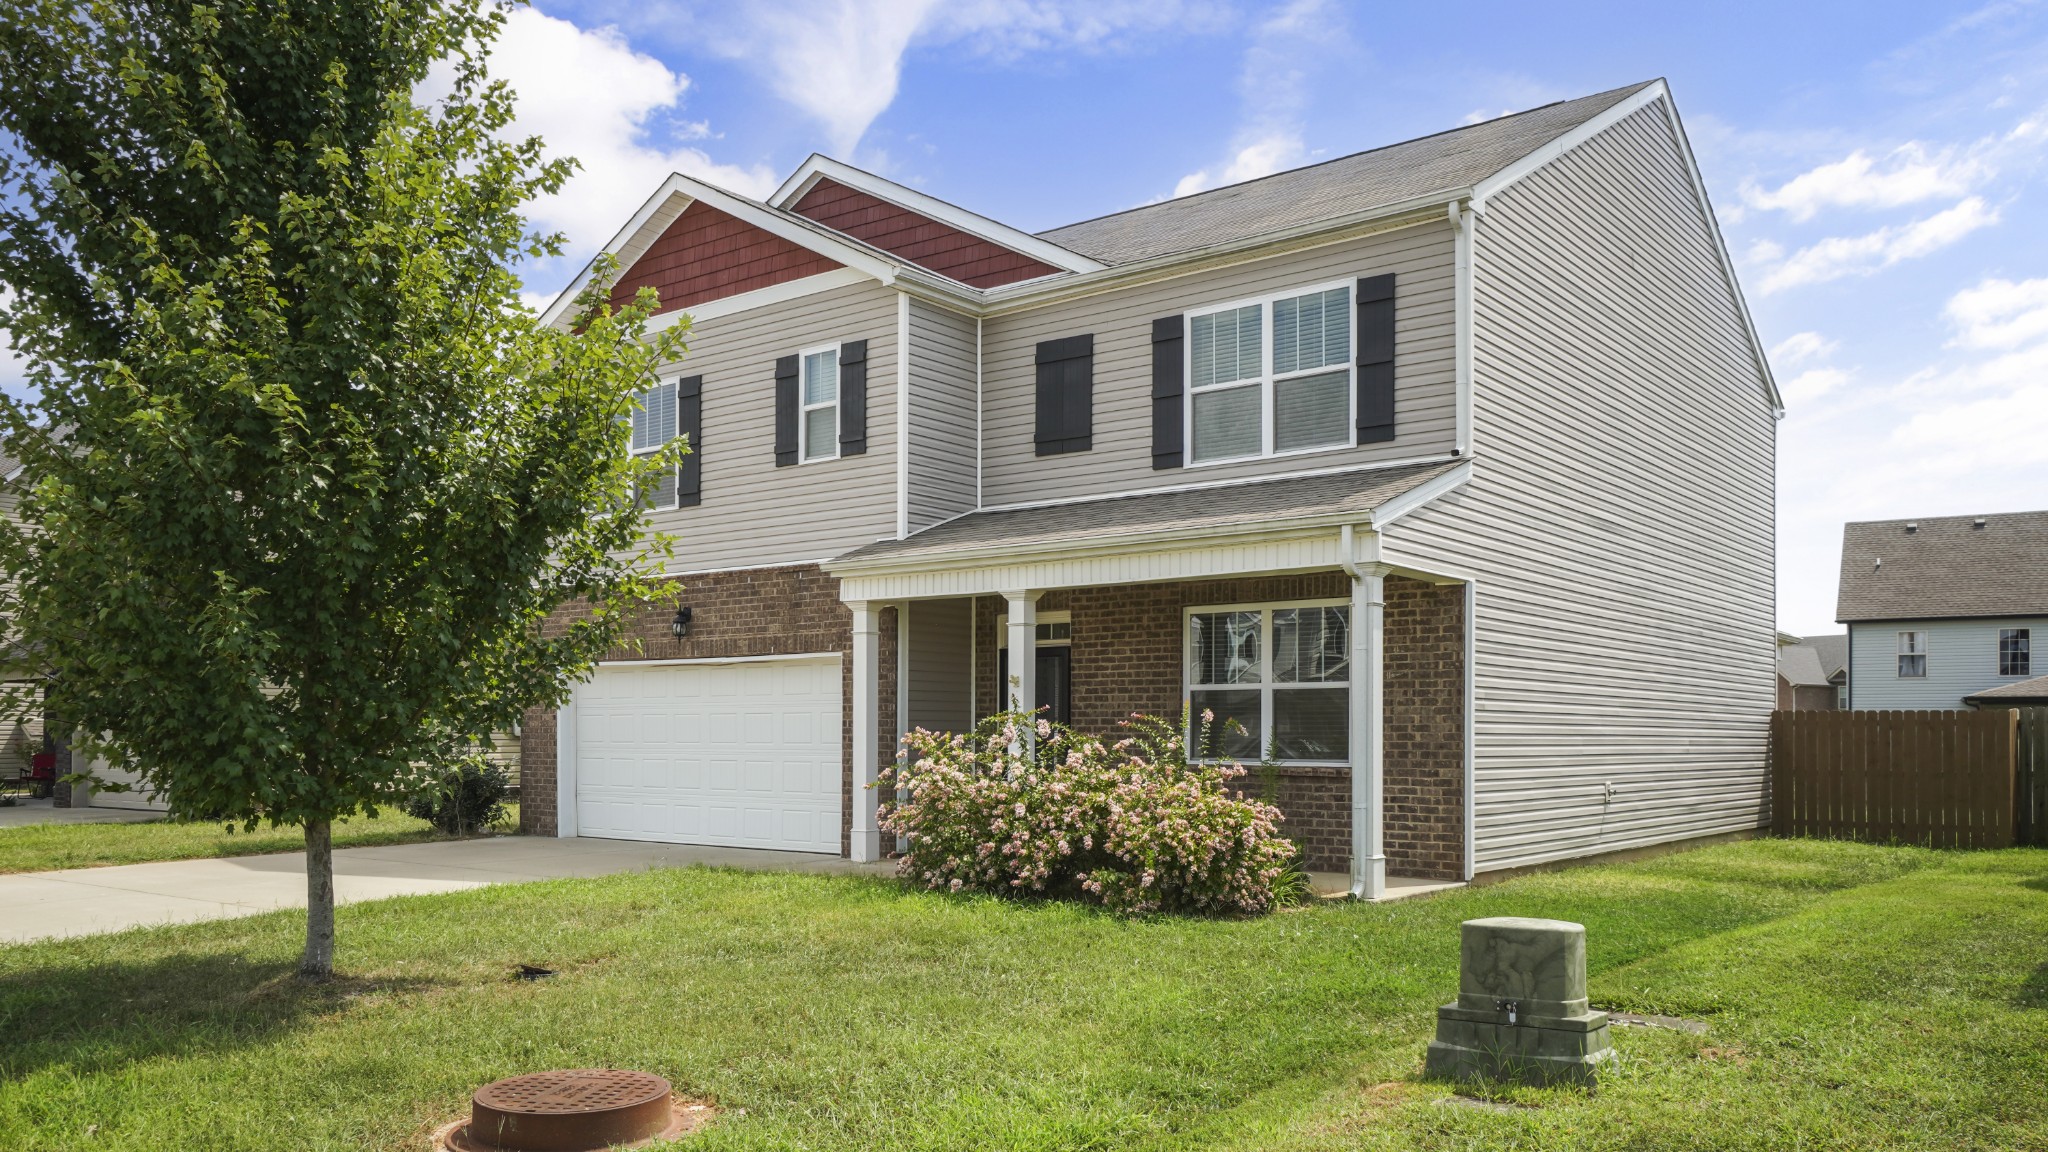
column 1444, row 469
column 1943, row 611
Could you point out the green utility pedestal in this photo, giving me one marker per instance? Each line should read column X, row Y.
column 1521, row 1011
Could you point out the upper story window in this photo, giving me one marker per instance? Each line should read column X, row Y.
column 1271, row 376
column 1912, row 654
column 819, row 425
column 2015, row 652
column 1278, row 680
column 654, row 425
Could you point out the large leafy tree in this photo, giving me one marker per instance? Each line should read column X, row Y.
column 303, row 480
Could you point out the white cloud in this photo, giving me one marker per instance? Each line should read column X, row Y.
column 1999, row 313
column 1801, row 347
column 1274, row 87
column 588, row 94
column 1812, row 384
column 1909, row 175
column 840, row 61
column 1839, row 256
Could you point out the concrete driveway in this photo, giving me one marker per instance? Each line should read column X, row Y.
column 81, row 901
column 25, row 812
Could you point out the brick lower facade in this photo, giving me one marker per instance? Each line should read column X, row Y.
column 1126, row 657
column 1127, row 654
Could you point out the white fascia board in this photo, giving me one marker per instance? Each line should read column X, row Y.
column 1650, row 93
column 761, row 297
column 1420, row 495
column 995, row 232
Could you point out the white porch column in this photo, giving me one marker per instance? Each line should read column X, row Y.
column 1021, row 693
column 1368, row 738
column 867, row 677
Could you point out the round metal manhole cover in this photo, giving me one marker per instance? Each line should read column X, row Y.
column 576, row 1110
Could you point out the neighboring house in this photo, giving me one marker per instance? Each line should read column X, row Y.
column 1812, row 673
column 1942, row 609
column 1802, row 682
column 1445, row 468
column 2023, row 694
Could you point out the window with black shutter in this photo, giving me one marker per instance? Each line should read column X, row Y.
column 1169, row 387
column 786, row 412
column 690, row 423
column 1066, row 395
column 1376, row 359
column 853, row 398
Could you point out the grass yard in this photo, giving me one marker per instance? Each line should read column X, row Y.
column 1859, row 997
column 45, row 847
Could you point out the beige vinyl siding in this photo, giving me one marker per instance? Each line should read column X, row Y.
column 1620, row 518
column 1425, row 394
column 754, row 513
column 942, row 414
column 939, row 655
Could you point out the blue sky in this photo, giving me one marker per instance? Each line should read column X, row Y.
column 1872, row 164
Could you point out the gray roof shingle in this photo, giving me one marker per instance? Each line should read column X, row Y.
column 1800, row 666
column 1946, row 567
column 1445, row 162
column 1832, row 650
column 2016, row 694
column 1222, row 509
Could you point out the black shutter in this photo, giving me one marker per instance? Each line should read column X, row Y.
column 1066, row 395
column 1376, row 359
column 853, row 398
column 786, row 409
column 690, row 423
column 1169, row 390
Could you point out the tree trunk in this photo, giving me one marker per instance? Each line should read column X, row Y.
column 318, row 961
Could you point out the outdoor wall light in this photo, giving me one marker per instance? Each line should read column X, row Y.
column 680, row 626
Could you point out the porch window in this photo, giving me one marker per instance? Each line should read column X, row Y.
column 1278, row 679
column 1271, row 377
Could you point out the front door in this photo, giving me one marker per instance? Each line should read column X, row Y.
column 1055, row 682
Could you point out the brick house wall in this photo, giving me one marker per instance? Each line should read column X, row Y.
column 1126, row 657
column 756, row 612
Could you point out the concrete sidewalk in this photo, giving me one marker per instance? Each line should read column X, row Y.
column 81, row 901
column 25, row 812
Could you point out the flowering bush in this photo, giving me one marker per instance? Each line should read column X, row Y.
column 1132, row 823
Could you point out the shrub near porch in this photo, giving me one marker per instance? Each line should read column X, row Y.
column 1130, row 823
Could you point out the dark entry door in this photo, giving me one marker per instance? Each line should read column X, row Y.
column 1055, row 683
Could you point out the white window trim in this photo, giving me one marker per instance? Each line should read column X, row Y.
column 1044, row 620
column 1266, row 380
column 676, row 501
column 803, row 410
column 1902, row 653
column 1998, row 652
column 1266, row 686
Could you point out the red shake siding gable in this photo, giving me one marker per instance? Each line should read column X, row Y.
column 708, row 255
column 922, row 240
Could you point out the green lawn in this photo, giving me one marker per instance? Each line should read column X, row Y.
column 44, row 847
column 1859, row 997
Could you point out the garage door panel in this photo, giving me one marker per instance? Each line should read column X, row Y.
column 744, row 755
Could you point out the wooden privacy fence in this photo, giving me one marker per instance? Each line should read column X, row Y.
column 1943, row 779
column 2031, row 784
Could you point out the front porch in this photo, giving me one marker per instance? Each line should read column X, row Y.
column 1349, row 677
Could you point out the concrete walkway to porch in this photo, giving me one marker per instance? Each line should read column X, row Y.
column 82, row 901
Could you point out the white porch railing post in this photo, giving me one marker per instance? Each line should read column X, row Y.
column 1368, row 738
column 867, row 675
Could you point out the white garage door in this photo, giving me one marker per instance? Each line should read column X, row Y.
column 136, row 797
column 742, row 755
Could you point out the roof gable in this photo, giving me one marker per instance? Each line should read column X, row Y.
column 1944, row 568
column 929, row 243
column 707, row 254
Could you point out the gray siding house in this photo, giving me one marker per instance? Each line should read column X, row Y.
column 1418, row 462
column 1943, row 609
